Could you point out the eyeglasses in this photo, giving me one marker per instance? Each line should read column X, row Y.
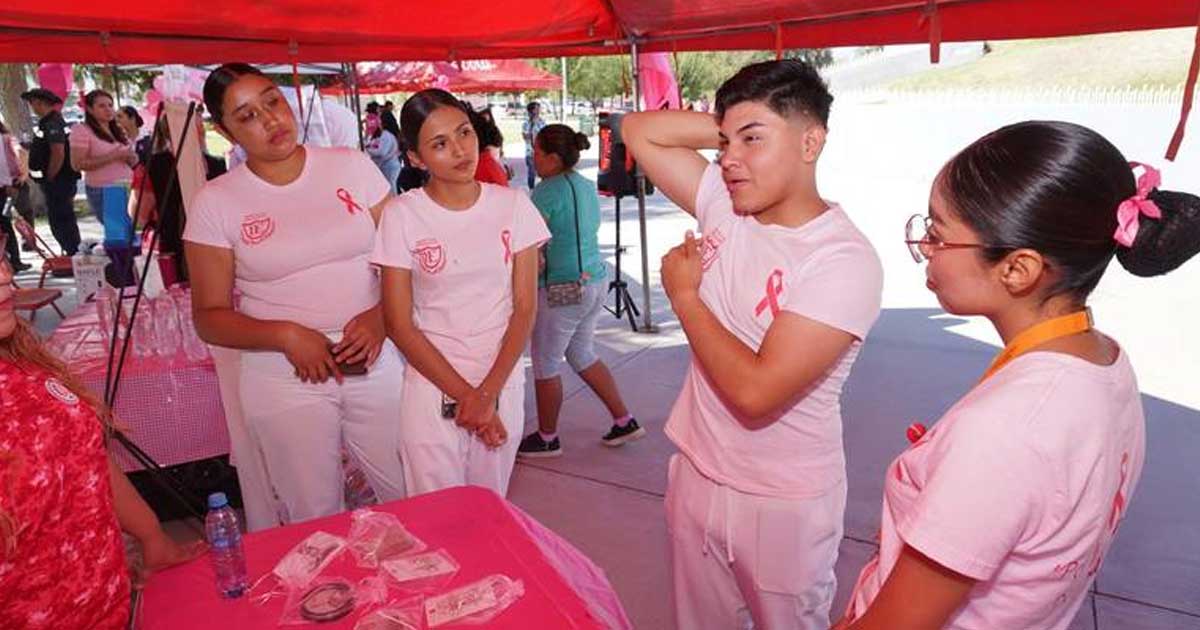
column 921, row 245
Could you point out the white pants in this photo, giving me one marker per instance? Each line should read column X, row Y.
column 742, row 561
column 438, row 454
column 301, row 428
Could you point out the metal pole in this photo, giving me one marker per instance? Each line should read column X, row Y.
column 356, row 102
column 647, row 324
column 562, row 115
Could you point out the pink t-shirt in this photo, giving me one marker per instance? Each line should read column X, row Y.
column 300, row 250
column 825, row 270
column 461, row 262
column 1021, row 486
column 84, row 141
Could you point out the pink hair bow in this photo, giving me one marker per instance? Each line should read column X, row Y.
column 1132, row 208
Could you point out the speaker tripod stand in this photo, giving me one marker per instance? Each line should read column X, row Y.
column 623, row 305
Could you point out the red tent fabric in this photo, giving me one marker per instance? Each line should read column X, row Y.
column 397, row 76
column 286, row 30
column 502, row 75
column 483, row 75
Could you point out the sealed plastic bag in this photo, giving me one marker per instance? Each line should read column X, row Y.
column 422, row 572
column 298, row 567
column 475, row 603
column 327, row 599
column 378, row 536
column 406, row 614
column 308, row 558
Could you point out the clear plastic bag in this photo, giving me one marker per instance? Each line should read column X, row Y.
column 328, row 599
column 308, row 558
column 475, row 603
column 379, row 536
column 423, row 572
column 406, row 614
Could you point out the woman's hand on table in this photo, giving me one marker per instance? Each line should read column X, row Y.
column 308, row 351
column 161, row 552
column 362, row 338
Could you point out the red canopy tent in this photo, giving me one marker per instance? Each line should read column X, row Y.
column 502, row 75
column 287, row 30
column 484, row 75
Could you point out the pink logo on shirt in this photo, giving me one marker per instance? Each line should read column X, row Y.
column 1114, row 516
column 56, row 389
column 708, row 248
column 774, row 289
column 343, row 196
column 430, row 255
column 256, row 228
column 506, row 239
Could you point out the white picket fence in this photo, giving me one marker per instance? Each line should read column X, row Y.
column 1162, row 96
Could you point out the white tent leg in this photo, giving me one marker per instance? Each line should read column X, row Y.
column 562, row 113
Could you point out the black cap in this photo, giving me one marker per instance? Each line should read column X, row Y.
column 41, row 94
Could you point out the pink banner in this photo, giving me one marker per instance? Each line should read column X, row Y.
column 56, row 77
column 657, row 80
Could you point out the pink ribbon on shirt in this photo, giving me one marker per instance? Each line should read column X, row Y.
column 343, row 195
column 506, row 238
column 1132, row 208
column 774, row 288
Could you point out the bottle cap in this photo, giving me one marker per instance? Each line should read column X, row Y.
column 217, row 500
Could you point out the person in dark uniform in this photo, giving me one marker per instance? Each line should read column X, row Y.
column 49, row 154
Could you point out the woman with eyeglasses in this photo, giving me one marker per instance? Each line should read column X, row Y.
column 1000, row 514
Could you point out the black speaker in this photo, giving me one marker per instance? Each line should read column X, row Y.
column 618, row 169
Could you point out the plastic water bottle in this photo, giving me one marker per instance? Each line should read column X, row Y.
column 225, row 546
column 166, row 326
column 193, row 346
column 106, row 308
column 143, row 330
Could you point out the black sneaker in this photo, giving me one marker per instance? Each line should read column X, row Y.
column 534, row 446
column 619, row 435
column 21, row 266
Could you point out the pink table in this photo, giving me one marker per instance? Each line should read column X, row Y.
column 171, row 408
column 484, row 533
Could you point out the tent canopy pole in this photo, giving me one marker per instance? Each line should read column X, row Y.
column 647, row 322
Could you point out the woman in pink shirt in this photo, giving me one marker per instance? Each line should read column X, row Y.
column 100, row 150
column 292, row 229
column 999, row 515
column 459, row 262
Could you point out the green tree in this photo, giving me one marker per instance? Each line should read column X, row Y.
column 701, row 73
column 698, row 73
column 14, row 80
column 591, row 78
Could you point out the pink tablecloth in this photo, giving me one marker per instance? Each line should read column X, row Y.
column 484, row 533
column 171, row 408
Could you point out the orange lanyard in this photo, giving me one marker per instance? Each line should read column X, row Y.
column 1039, row 334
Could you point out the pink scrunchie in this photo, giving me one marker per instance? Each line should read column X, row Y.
column 1132, row 208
